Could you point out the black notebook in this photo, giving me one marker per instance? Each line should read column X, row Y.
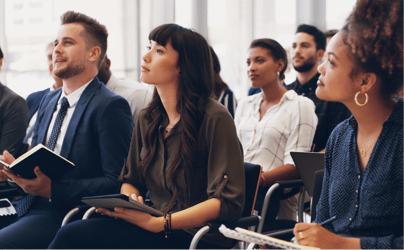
column 119, row 200
column 51, row 164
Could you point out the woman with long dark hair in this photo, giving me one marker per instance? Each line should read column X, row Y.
column 363, row 177
column 184, row 151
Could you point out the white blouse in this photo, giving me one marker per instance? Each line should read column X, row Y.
column 288, row 126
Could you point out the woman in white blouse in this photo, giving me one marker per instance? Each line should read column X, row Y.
column 273, row 123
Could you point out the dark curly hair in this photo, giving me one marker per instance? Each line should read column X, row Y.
column 374, row 31
column 319, row 36
column 194, row 90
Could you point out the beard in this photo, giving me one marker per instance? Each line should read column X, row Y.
column 307, row 65
column 70, row 71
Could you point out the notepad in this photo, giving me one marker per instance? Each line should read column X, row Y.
column 51, row 164
column 260, row 239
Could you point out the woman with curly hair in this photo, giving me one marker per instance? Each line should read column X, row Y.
column 363, row 177
column 184, row 151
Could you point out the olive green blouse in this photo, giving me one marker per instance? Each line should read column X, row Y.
column 218, row 170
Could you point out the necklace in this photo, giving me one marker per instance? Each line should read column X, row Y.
column 362, row 152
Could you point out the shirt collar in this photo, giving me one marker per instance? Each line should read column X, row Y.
column 74, row 97
column 312, row 83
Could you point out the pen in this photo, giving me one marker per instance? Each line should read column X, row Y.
column 326, row 222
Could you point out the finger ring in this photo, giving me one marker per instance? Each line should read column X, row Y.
column 301, row 235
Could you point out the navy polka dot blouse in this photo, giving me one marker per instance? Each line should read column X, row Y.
column 367, row 205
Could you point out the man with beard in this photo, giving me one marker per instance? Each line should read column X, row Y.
column 307, row 50
column 85, row 123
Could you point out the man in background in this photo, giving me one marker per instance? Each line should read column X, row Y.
column 13, row 119
column 34, row 99
column 137, row 94
column 307, row 51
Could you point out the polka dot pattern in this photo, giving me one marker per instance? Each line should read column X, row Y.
column 367, row 204
column 58, row 123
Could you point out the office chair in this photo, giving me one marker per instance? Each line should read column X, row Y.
column 318, row 184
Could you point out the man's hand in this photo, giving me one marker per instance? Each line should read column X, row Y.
column 7, row 158
column 40, row 186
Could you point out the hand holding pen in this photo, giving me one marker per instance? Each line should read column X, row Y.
column 300, row 233
column 315, row 235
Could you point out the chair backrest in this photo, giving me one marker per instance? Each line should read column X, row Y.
column 318, row 184
column 307, row 163
column 252, row 173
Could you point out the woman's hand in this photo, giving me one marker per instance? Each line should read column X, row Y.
column 314, row 235
column 136, row 217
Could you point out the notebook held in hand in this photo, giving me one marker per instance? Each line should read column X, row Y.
column 51, row 164
column 119, row 200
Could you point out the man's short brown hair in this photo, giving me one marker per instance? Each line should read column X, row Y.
column 95, row 33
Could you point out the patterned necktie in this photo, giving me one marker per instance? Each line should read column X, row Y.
column 58, row 123
column 24, row 203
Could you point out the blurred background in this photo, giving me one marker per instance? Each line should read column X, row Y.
column 27, row 26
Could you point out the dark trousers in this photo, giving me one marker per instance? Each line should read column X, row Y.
column 36, row 229
column 110, row 233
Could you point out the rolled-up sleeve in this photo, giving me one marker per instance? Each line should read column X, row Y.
column 225, row 169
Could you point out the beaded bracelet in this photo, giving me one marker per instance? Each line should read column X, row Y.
column 167, row 223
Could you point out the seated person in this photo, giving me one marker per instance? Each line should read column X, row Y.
column 136, row 93
column 184, row 151
column 13, row 119
column 272, row 123
column 222, row 92
column 363, row 177
column 83, row 122
column 34, row 99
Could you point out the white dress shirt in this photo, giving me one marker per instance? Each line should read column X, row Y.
column 72, row 98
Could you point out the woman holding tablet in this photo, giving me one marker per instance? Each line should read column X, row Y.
column 184, row 151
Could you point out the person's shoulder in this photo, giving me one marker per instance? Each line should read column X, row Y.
column 214, row 110
column 304, row 99
column 38, row 94
column 10, row 95
column 290, row 85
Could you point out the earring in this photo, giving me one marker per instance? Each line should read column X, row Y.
column 278, row 73
column 356, row 99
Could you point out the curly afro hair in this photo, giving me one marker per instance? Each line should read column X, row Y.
column 375, row 35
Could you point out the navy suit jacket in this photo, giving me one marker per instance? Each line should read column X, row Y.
column 33, row 101
column 97, row 141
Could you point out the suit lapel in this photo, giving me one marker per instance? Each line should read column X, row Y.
column 82, row 104
column 47, row 117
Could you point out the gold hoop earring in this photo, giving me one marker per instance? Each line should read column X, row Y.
column 361, row 104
